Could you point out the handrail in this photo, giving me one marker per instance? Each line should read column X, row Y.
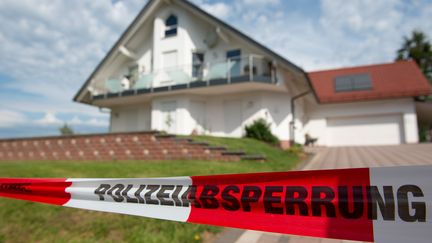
column 248, row 66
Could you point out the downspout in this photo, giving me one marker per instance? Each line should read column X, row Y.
column 292, row 123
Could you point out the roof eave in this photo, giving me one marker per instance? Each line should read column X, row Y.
column 144, row 10
column 116, row 45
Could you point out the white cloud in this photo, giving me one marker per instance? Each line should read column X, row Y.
column 11, row 118
column 220, row 10
column 261, row 2
column 49, row 119
column 338, row 34
column 75, row 121
column 97, row 122
column 49, row 47
column 93, row 122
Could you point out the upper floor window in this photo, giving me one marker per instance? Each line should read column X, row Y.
column 171, row 26
column 353, row 82
column 197, row 64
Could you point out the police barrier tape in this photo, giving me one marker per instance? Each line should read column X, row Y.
column 368, row 204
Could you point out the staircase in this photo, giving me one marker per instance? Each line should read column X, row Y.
column 116, row 146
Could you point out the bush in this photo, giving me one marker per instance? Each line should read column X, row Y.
column 296, row 149
column 423, row 134
column 260, row 130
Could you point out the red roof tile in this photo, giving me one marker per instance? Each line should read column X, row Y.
column 390, row 80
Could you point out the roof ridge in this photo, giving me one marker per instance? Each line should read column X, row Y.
column 362, row 66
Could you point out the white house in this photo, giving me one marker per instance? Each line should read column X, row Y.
column 178, row 69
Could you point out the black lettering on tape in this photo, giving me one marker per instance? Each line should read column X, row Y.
column 207, row 197
column 357, row 200
column 162, row 195
column 386, row 204
column 117, row 194
column 189, row 196
column 250, row 195
column 101, row 190
column 175, row 195
column 403, row 204
column 151, row 189
column 326, row 201
column 15, row 187
column 138, row 194
column 125, row 194
column 270, row 199
column 296, row 195
column 231, row 203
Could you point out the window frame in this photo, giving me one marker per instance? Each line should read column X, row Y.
column 352, row 82
column 171, row 30
column 199, row 72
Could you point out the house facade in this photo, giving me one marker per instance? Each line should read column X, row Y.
column 180, row 70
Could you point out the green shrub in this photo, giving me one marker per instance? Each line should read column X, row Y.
column 296, row 149
column 423, row 134
column 260, row 130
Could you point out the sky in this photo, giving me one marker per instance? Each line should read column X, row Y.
column 48, row 48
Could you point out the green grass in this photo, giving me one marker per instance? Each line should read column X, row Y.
column 22, row 221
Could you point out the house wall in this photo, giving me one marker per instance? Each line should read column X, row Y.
column 318, row 115
column 191, row 33
column 131, row 118
column 190, row 37
column 211, row 115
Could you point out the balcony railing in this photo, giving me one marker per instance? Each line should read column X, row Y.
column 251, row 68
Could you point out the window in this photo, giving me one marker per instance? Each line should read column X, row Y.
column 234, row 56
column 197, row 64
column 133, row 73
column 169, row 60
column 353, row 82
column 171, row 26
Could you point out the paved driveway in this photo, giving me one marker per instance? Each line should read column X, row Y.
column 343, row 157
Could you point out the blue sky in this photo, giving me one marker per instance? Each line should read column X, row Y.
column 49, row 47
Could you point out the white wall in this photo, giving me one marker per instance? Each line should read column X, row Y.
column 215, row 115
column 158, row 118
column 318, row 114
column 131, row 118
column 191, row 33
column 277, row 110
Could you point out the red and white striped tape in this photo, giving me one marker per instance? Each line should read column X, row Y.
column 378, row 204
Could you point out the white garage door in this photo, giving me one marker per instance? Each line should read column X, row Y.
column 365, row 130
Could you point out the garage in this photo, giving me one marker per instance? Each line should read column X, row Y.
column 365, row 130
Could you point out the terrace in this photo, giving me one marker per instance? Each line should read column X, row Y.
column 248, row 69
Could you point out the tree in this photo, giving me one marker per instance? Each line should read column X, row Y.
column 66, row 130
column 417, row 48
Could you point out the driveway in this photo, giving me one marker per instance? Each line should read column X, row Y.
column 340, row 157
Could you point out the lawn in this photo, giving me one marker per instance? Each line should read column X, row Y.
column 26, row 221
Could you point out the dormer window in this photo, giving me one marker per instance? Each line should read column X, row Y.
column 171, row 26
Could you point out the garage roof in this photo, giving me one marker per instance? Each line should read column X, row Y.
column 389, row 80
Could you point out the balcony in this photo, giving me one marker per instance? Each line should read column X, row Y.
column 251, row 68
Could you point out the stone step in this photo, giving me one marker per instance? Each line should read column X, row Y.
column 219, row 148
column 254, row 157
column 164, row 136
column 236, row 153
column 199, row 143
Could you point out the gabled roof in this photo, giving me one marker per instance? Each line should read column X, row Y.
column 138, row 20
column 390, row 80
